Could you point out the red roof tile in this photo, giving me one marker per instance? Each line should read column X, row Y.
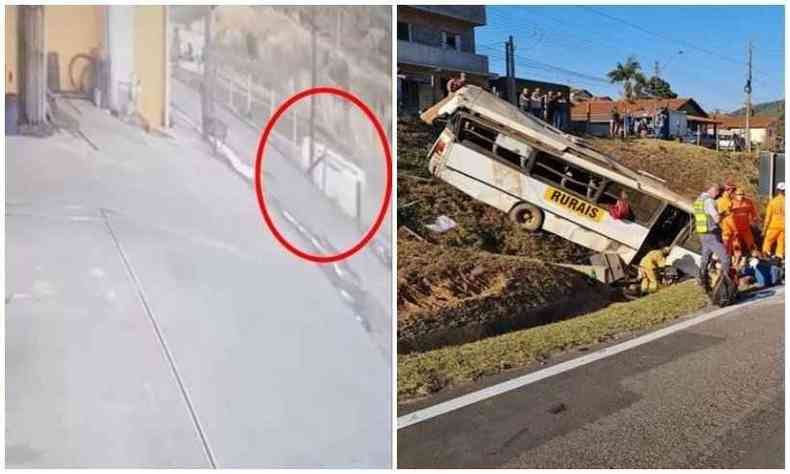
column 729, row 121
column 600, row 110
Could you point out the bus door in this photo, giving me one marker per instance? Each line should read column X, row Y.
column 665, row 230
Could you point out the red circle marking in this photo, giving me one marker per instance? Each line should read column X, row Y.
column 259, row 182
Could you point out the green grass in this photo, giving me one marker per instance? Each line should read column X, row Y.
column 421, row 374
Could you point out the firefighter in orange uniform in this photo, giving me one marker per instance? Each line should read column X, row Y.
column 724, row 206
column 774, row 228
column 744, row 215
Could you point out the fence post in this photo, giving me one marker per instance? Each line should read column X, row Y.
column 249, row 93
column 294, row 117
column 230, row 91
column 296, row 127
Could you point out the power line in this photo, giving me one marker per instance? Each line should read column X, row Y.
column 661, row 36
column 666, row 37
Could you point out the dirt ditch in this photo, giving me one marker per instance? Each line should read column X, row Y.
column 450, row 296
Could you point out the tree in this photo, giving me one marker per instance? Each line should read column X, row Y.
column 658, row 87
column 629, row 74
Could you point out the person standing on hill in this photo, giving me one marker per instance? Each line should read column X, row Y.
column 614, row 122
column 456, row 83
column 707, row 221
column 551, row 107
column 774, row 227
column 524, row 101
column 537, row 103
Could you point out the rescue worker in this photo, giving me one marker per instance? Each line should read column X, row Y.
column 744, row 216
column 724, row 206
column 707, row 221
column 652, row 261
column 774, row 227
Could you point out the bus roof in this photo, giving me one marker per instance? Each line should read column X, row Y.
column 568, row 147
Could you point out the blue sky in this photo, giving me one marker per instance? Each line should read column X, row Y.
column 701, row 50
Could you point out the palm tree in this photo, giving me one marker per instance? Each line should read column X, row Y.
column 630, row 75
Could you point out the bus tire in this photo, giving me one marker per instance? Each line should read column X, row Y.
column 527, row 216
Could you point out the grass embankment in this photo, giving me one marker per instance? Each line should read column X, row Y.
column 688, row 169
column 424, row 373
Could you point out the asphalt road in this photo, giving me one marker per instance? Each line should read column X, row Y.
column 709, row 396
column 152, row 321
column 308, row 205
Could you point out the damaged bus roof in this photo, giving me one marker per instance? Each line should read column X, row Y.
column 573, row 149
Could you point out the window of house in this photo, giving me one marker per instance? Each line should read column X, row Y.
column 404, row 31
column 451, row 41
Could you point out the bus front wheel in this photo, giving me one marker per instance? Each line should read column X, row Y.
column 527, row 216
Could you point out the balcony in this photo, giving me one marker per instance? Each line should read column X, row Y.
column 424, row 55
column 475, row 15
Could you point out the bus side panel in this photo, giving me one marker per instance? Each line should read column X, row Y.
column 506, row 186
column 497, row 185
column 585, row 237
column 488, row 186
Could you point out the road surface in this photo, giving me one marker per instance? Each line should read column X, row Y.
column 709, row 396
column 305, row 202
column 152, row 321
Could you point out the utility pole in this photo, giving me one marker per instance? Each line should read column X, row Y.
column 313, row 80
column 510, row 66
column 207, row 94
column 748, row 89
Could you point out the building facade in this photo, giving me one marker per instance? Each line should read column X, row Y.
column 115, row 55
column 436, row 43
column 762, row 129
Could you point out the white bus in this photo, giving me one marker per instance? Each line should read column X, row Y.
column 545, row 179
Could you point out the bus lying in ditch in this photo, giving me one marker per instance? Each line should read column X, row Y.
column 549, row 180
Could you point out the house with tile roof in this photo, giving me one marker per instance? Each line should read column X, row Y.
column 685, row 115
column 762, row 129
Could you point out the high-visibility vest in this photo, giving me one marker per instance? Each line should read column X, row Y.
column 700, row 217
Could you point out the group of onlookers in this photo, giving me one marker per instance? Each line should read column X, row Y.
column 626, row 124
column 553, row 107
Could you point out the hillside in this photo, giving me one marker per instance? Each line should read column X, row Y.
column 456, row 286
column 775, row 108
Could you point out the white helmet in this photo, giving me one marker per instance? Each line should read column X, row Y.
column 780, row 186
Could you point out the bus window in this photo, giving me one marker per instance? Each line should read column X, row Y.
column 643, row 206
column 560, row 173
column 484, row 139
column 475, row 134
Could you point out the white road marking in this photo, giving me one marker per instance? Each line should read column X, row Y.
column 498, row 389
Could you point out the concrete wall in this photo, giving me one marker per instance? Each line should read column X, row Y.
column 150, row 62
column 72, row 30
column 120, row 43
column 11, row 50
column 760, row 136
column 471, row 13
